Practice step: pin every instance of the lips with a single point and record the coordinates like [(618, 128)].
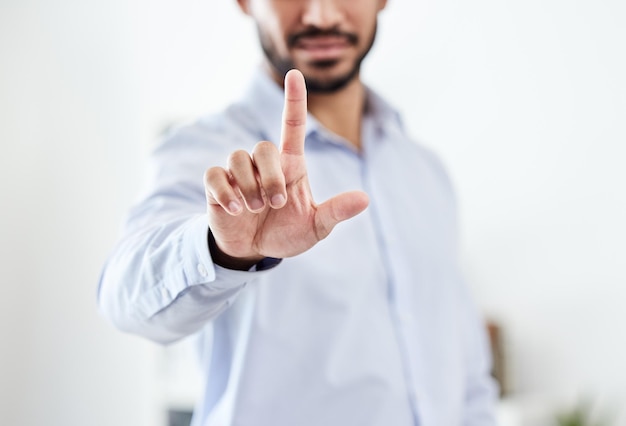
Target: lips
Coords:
[(323, 48), (322, 45)]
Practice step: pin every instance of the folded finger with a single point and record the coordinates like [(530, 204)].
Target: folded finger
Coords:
[(267, 162), (219, 190), (244, 174)]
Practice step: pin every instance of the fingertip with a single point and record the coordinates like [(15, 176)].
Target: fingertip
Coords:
[(294, 73), (234, 207), (278, 201), (363, 199), (255, 205), (350, 204), (295, 82)]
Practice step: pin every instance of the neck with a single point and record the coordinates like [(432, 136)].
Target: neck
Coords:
[(341, 112)]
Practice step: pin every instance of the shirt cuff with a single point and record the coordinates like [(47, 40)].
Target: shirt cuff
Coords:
[(266, 264), (200, 268)]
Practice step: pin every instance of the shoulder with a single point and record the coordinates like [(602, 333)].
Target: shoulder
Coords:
[(427, 165), (391, 120), (434, 163)]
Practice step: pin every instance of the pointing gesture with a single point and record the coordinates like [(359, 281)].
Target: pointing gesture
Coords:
[(294, 115), (261, 204)]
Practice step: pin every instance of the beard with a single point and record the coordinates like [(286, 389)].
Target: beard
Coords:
[(328, 85)]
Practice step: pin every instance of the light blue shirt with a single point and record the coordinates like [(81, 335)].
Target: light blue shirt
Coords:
[(373, 326)]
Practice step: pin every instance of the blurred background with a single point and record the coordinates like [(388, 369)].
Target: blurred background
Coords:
[(524, 101)]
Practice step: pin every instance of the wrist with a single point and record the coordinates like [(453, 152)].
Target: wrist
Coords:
[(229, 262)]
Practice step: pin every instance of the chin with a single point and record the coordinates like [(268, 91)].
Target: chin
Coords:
[(325, 80)]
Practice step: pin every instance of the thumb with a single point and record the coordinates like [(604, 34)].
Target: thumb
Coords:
[(337, 209)]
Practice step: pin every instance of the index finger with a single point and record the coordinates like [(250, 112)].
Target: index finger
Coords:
[(294, 114)]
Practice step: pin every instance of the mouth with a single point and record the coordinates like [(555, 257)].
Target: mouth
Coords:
[(322, 46)]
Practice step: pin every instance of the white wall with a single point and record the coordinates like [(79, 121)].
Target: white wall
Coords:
[(525, 102), (69, 143)]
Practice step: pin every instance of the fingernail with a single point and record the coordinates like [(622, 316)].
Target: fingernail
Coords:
[(234, 206), (256, 204), (278, 200)]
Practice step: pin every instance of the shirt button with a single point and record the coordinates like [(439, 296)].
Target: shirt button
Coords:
[(202, 270)]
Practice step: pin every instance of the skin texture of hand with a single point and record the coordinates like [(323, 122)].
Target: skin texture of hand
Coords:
[(261, 204)]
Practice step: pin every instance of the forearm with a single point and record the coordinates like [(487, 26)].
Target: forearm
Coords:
[(160, 282)]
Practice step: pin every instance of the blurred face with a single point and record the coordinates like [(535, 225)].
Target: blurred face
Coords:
[(325, 39)]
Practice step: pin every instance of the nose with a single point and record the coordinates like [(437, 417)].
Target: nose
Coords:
[(322, 13)]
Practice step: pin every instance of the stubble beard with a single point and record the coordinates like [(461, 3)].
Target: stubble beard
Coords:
[(281, 65)]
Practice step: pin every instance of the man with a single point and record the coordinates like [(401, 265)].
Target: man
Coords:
[(369, 325)]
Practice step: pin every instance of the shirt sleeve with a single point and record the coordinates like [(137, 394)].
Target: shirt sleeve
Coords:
[(160, 281)]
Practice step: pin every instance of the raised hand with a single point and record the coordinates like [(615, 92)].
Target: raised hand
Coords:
[(261, 204)]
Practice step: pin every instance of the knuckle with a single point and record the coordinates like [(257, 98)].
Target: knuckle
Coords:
[(264, 153), (213, 175), (238, 158), (295, 122), (265, 147)]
